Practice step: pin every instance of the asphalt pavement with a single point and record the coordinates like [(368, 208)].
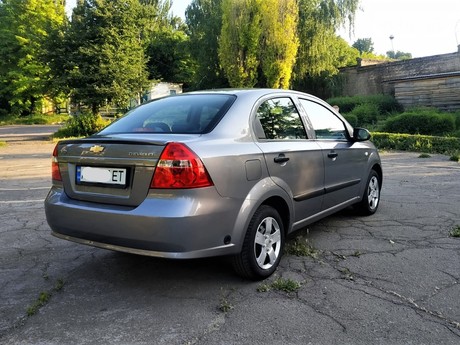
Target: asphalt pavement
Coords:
[(392, 278)]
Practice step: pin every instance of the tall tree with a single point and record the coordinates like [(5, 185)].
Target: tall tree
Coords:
[(318, 22), (279, 41), (240, 41), (166, 43), (399, 55), (25, 26), (106, 60), (364, 45), (204, 22), (169, 57)]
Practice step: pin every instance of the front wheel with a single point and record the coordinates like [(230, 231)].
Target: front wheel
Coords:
[(263, 245), (371, 197)]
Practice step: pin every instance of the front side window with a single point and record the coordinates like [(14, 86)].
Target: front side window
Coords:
[(278, 119), (325, 123)]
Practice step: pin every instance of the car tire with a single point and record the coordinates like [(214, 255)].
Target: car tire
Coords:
[(263, 245), (371, 197)]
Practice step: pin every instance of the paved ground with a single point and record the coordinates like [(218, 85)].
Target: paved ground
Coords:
[(392, 278)]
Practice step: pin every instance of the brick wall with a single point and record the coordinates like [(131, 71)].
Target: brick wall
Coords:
[(428, 81)]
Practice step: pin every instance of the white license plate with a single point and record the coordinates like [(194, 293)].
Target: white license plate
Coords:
[(116, 176)]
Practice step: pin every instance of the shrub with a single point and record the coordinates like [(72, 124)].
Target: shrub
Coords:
[(352, 119), (346, 104), (82, 126), (366, 113), (426, 122), (385, 103), (416, 143)]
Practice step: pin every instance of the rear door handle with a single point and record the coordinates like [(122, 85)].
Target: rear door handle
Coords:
[(332, 154), (281, 158)]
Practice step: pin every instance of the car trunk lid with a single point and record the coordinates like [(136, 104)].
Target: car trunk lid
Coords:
[(108, 170)]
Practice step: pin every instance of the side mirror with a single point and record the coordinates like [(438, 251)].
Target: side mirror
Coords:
[(361, 134)]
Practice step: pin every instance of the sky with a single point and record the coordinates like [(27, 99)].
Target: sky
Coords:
[(419, 27)]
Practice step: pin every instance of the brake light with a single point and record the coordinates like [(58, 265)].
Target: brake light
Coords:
[(55, 172), (180, 167)]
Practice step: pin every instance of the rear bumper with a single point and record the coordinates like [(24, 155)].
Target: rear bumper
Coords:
[(199, 223)]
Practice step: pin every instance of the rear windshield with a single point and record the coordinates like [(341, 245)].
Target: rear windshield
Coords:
[(187, 114)]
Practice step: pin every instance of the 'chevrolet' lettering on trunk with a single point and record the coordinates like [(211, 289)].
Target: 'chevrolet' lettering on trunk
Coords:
[(141, 154)]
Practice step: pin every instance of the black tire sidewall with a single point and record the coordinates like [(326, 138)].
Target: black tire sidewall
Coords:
[(365, 203), (262, 213)]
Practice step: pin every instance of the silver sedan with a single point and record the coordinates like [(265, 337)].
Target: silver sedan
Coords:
[(210, 173)]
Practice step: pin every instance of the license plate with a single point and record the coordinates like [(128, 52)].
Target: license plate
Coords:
[(114, 176)]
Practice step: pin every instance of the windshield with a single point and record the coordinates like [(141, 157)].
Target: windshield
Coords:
[(188, 114)]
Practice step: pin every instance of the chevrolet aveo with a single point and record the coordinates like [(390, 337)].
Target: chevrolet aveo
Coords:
[(210, 173)]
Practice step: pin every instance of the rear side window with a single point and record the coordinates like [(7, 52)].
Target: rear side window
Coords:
[(278, 119), (325, 123), (187, 114)]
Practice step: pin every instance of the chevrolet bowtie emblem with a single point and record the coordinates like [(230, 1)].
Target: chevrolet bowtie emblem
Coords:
[(96, 149)]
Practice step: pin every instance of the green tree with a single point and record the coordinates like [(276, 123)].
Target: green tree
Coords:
[(318, 22), (25, 27), (279, 41), (364, 45), (399, 55), (105, 53), (169, 57), (204, 22), (166, 43), (240, 41)]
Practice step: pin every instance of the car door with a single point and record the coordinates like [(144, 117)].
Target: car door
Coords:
[(294, 162), (344, 160)]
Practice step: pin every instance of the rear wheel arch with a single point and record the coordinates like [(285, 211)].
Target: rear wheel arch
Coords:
[(280, 205), (378, 169)]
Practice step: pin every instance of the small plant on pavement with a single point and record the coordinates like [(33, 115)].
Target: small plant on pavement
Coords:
[(301, 247), (455, 232), (424, 155), (286, 285), (40, 302), (280, 284)]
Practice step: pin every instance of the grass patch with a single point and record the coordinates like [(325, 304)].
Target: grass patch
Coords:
[(286, 285), (301, 247), (455, 157), (34, 120), (2, 143), (346, 274), (424, 155), (455, 232), (44, 298), (280, 284), (225, 306)]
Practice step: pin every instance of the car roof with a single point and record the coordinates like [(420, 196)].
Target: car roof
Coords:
[(252, 93)]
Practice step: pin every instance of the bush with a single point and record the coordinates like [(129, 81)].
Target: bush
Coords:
[(385, 104), (82, 126), (366, 113), (352, 119), (425, 122), (416, 143)]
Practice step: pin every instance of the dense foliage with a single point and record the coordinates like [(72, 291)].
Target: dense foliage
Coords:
[(416, 143), (25, 29), (82, 125), (110, 52), (386, 104), (421, 121)]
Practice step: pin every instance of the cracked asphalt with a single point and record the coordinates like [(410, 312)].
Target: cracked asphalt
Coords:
[(392, 278)]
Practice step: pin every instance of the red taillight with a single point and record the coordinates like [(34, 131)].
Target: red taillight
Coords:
[(180, 167), (55, 173)]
